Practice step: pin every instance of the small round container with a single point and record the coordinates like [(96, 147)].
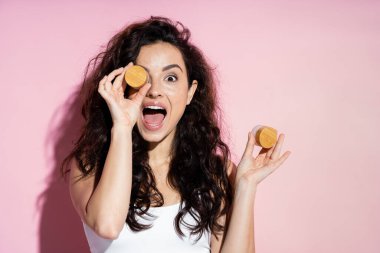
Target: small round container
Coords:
[(265, 136), (136, 76)]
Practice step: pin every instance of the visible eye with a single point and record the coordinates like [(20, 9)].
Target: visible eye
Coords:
[(171, 78)]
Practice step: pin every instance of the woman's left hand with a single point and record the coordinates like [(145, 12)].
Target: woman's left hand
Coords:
[(253, 170)]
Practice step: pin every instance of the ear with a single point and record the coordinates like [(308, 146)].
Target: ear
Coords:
[(191, 91)]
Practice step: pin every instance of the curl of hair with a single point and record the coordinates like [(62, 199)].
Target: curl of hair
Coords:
[(198, 169)]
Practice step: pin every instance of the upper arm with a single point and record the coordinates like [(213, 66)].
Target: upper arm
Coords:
[(216, 242), (80, 190)]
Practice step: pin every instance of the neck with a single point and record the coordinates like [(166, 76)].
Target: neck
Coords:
[(160, 156), (160, 153)]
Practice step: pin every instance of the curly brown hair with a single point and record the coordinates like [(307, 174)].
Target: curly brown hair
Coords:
[(198, 169)]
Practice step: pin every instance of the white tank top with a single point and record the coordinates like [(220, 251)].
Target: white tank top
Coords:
[(161, 237)]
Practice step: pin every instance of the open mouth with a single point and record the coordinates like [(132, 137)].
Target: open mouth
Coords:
[(153, 115)]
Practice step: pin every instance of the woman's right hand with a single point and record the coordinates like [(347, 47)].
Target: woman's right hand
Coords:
[(124, 111)]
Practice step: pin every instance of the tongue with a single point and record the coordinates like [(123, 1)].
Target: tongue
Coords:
[(154, 118)]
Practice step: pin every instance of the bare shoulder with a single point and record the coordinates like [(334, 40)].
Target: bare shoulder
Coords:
[(231, 167), (76, 175), (80, 188)]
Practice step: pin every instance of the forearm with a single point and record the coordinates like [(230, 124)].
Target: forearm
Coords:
[(240, 234), (108, 206)]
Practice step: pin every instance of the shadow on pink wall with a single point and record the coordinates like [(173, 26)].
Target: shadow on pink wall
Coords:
[(61, 229)]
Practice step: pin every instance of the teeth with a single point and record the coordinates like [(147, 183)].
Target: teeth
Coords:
[(155, 107)]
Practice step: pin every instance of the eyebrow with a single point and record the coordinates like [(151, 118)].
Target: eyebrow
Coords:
[(171, 66), (166, 67)]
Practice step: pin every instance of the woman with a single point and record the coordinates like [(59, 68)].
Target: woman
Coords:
[(150, 172)]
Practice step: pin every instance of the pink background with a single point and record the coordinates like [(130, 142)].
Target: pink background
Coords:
[(308, 68)]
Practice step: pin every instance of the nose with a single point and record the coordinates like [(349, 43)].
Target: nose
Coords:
[(155, 90)]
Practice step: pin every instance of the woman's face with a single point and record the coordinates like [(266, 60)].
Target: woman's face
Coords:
[(169, 94)]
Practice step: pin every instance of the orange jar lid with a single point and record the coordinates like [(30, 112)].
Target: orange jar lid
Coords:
[(265, 136), (136, 76)]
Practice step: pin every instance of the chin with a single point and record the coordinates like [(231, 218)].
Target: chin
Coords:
[(154, 136)]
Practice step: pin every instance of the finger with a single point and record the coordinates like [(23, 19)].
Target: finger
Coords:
[(101, 90), (108, 85), (264, 151), (132, 92), (255, 129), (250, 145), (269, 153), (101, 87), (141, 93), (101, 83), (119, 80), (262, 155), (277, 147), (282, 159), (269, 170), (114, 73), (110, 78)]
